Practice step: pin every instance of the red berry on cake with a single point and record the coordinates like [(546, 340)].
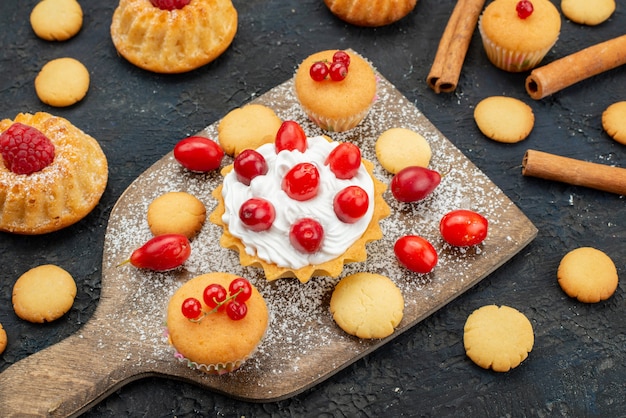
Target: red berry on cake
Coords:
[(214, 295), (319, 71), (302, 182), (257, 214), (351, 204), (241, 289), (248, 165), (345, 160), (25, 150), (524, 9), (343, 57), (236, 310), (338, 71), (290, 136), (170, 4), (192, 308), (306, 235)]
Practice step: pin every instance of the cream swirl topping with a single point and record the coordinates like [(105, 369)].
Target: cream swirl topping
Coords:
[(273, 246)]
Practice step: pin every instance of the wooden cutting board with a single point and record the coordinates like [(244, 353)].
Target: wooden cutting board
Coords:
[(124, 340)]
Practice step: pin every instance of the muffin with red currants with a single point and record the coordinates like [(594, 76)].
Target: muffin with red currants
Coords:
[(216, 321), (301, 206), (336, 89)]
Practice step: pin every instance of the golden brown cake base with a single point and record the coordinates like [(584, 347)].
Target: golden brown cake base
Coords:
[(62, 193), (355, 253), (174, 41)]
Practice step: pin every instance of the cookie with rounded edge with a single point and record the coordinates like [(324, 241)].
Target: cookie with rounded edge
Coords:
[(587, 12), (498, 337), (3, 339), (367, 305), (56, 20), (246, 127), (62, 82), (504, 119), (176, 213), (43, 293), (398, 148), (588, 275), (614, 121)]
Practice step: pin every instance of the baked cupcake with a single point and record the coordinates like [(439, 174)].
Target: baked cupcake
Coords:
[(335, 98), (517, 34), (371, 13), (52, 174), (216, 321), (173, 36), (297, 217)]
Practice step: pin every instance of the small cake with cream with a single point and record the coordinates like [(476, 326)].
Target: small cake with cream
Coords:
[(300, 206)]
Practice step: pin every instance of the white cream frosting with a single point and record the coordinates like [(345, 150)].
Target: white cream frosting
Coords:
[(273, 246)]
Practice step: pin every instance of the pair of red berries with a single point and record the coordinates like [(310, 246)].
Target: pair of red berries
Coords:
[(337, 69)]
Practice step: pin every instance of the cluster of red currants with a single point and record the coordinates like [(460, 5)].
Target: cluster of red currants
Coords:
[(217, 299), (337, 69)]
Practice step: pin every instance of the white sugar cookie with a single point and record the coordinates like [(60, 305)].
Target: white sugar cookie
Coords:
[(504, 119), (56, 20), (588, 275), (176, 213), (588, 12), (43, 293), (246, 127), (3, 339), (398, 148), (498, 338), (62, 82), (614, 121)]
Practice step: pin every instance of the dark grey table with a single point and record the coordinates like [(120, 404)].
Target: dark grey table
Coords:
[(577, 366)]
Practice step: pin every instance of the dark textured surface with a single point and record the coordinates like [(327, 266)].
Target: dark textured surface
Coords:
[(577, 365)]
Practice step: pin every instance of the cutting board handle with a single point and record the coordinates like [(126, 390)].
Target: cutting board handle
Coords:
[(65, 378)]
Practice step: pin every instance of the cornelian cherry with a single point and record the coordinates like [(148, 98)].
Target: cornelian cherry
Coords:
[(162, 253), (344, 160), (290, 136), (197, 153), (248, 165), (306, 235), (524, 9), (302, 182), (257, 214)]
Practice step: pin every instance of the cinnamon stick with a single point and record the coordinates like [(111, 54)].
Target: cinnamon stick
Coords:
[(557, 75), (446, 69), (576, 172)]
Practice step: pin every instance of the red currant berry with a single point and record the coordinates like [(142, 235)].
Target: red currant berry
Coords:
[(338, 71), (342, 56), (350, 204), (213, 295), (236, 310), (302, 182), (306, 235), (242, 288), (191, 308), (249, 164), (290, 136), (345, 160), (257, 214), (524, 9), (169, 4), (318, 71)]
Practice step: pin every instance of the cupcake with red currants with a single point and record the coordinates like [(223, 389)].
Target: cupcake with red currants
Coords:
[(336, 89), (300, 207), (216, 321), (517, 34)]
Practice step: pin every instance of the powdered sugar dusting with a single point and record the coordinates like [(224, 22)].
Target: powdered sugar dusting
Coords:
[(303, 345)]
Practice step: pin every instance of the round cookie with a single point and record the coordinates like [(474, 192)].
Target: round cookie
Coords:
[(56, 20), (587, 12), (367, 305), (504, 119), (497, 338), (614, 121), (62, 82), (246, 127), (3, 339), (43, 293), (398, 148), (176, 213), (588, 275)]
